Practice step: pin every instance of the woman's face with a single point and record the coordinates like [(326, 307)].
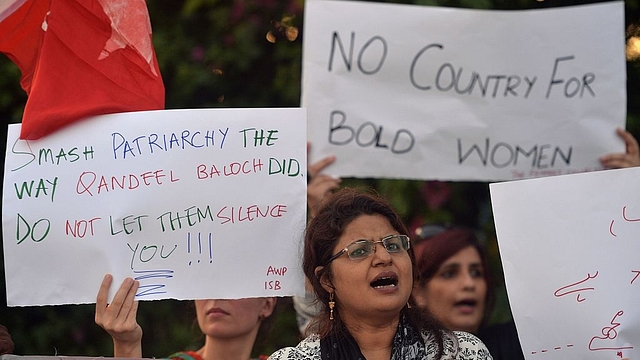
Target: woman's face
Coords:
[(456, 294), (232, 318), (375, 287)]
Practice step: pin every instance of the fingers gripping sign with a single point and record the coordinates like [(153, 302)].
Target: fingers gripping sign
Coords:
[(631, 156), (118, 318), (319, 185)]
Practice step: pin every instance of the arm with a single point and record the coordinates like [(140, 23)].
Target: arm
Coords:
[(318, 186), (119, 317), (629, 158)]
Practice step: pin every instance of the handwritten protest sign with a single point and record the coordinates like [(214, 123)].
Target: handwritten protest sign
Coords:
[(206, 203), (569, 247), (454, 94)]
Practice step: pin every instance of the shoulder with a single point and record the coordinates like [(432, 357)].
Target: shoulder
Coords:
[(470, 347), (458, 345), (308, 348)]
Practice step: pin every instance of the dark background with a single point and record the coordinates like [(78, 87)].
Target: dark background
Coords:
[(215, 53)]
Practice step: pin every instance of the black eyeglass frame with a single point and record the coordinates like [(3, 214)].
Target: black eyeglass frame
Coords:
[(404, 240)]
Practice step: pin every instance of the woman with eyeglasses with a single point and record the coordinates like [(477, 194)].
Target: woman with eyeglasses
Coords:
[(230, 326), (359, 261), (455, 286)]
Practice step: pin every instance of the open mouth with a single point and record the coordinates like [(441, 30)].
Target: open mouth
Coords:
[(467, 302), (384, 281)]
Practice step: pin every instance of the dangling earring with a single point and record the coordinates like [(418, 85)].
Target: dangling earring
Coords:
[(408, 305), (332, 304)]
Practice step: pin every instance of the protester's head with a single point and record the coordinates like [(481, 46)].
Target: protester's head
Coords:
[(454, 283), (357, 254), (227, 319)]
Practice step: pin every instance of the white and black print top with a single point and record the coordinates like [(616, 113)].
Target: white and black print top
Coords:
[(457, 346)]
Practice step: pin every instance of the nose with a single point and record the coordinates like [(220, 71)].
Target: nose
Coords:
[(380, 255), (468, 281)]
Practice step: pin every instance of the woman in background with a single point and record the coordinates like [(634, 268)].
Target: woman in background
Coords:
[(230, 326), (456, 287)]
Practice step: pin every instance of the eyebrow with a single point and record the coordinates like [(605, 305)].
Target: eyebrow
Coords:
[(450, 266)]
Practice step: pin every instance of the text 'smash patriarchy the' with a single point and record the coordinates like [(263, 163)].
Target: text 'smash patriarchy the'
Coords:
[(416, 95), (171, 198)]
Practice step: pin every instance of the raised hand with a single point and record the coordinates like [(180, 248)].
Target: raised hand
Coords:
[(629, 158), (319, 185), (119, 317)]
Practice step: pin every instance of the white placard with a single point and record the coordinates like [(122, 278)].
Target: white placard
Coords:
[(195, 204), (569, 247), (421, 92)]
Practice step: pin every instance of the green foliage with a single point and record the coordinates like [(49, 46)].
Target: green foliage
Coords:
[(215, 53), (12, 97)]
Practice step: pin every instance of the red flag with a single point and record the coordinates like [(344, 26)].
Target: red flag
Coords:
[(80, 58)]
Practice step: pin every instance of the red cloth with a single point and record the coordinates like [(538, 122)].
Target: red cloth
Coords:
[(81, 58)]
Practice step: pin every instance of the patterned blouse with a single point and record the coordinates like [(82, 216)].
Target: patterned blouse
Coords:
[(469, 347)]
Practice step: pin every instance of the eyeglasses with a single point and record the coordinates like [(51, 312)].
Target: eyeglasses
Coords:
[(361, 249)]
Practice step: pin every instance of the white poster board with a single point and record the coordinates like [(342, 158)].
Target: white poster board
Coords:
[(194, 204), (421, 92), (569, 247)]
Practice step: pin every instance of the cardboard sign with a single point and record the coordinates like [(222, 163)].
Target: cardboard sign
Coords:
[(194, 204), (421, 92), (569, 247)]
